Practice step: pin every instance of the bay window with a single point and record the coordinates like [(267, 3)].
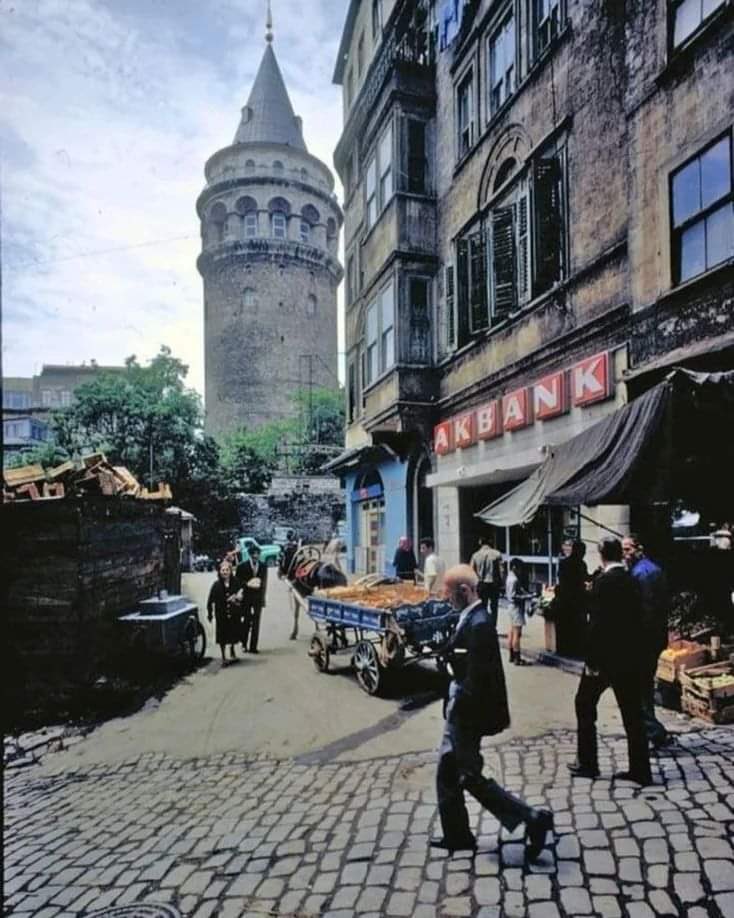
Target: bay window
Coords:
[(379, 335)]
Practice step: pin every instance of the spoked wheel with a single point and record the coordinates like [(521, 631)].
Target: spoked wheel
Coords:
[(193, 642), (367, 667), (318, 650)]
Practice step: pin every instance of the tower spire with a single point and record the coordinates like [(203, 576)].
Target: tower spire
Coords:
[(269, 25)]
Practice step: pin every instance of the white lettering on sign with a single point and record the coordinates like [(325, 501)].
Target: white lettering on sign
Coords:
[(591, 381)]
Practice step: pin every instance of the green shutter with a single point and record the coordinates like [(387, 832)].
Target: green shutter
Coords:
[(549, 254), (504, 262)]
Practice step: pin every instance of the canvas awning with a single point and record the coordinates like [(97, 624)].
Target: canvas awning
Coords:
[(642, 453), (352, 459)]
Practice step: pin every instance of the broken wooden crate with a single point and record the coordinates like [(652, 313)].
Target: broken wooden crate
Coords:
[(708, 692), (678, 656)]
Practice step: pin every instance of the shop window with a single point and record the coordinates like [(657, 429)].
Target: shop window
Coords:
[(416, 139), (548, 19), (502, 52), (465, 115), (703, 211), (689, 16)]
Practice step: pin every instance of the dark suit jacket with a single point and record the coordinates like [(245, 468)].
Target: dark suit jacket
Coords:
[(474, 654), (615, 620), (246, 573)]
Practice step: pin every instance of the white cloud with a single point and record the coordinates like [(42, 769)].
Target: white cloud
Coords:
[(109, 112)]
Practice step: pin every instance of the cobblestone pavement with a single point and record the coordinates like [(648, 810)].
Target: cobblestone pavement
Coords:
[(232, 836)]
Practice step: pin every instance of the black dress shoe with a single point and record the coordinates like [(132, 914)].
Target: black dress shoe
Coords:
[(642, 780), (536, 830), (468, 844), (580, 771)]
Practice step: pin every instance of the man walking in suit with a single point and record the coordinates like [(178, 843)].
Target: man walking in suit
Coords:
[(487, 565), (653, 629), (476, 707), (253, 578), (613, 660)]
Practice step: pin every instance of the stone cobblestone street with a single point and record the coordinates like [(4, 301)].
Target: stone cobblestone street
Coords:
[(230, 835)]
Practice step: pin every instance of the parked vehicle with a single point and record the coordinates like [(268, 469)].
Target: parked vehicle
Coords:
[(269, 554), (203, 563)]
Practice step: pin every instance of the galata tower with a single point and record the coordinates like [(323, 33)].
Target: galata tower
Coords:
[(270, 227)]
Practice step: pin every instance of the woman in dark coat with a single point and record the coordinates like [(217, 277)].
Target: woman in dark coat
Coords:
[(224, 603), (569, 606), (404, 561)]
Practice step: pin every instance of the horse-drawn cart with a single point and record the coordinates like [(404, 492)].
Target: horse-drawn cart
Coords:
[(381, 639)]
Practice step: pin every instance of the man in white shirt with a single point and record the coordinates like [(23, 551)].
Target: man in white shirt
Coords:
[(433, 568)]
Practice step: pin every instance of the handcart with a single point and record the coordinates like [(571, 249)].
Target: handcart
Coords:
[(381, 640), (167, 624)]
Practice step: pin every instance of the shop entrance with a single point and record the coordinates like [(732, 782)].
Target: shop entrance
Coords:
[(422, 502), (371, 537)]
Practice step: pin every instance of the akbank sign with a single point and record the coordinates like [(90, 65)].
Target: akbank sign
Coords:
[(585, 383)]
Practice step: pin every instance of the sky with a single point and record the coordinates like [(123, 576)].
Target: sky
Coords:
[(108, 111)]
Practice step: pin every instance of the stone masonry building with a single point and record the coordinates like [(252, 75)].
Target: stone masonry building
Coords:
[(538, 225), (270, 227)]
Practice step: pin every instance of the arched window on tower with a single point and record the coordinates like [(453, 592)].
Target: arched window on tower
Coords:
[(250, 166), (279, 212), (310, 218), (246, 207), (249, 298), (278, 167), (217, 223), (304, 175), (311, 305), (331, 228)]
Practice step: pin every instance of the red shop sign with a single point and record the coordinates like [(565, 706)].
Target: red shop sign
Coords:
[(517, 410), (550, 396), (465, 430), (591, 379)]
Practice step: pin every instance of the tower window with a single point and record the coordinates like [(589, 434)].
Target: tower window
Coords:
[(250, 225), (248, 297), (311, 305), (250, 165), (279, 226), (278, 167), (305, 231)]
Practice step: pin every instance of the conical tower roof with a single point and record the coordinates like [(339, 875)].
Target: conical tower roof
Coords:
[(268, 116)]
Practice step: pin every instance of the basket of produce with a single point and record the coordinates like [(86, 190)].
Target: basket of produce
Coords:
[(679, 655), (708, 692)]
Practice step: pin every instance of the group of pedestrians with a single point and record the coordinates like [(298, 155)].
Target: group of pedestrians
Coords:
[(627, 604), (235, 603)]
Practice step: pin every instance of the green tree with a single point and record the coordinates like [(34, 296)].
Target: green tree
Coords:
[(47, 454)]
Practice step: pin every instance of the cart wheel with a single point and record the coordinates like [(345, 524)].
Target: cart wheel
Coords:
[(367, 667), (318, 650), (193, 642)]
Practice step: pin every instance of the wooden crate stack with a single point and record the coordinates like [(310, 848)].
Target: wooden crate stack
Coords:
[(88, 476), (708, 692)]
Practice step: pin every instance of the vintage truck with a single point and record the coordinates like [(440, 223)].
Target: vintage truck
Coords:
[(269, 554)]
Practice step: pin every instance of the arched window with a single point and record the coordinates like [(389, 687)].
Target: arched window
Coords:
[(250, 165), (246, 207), (331, 228), (505, 170), (305, 231), (279, 204), (249, 299), (311, 305), (217, 222), (279, 225), (304, 175), (311, 215), (278, 167)]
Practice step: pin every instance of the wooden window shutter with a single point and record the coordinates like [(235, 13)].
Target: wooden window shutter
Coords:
[(504, 261), (478, 316), (523, 250), (462, 290), (549, 256), (450, 308)]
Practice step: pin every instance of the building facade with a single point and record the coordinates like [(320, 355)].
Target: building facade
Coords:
[(270, 227), (28, 401), (557, 226)]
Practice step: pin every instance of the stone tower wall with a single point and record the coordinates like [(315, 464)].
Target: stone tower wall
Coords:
[(270, 305)]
